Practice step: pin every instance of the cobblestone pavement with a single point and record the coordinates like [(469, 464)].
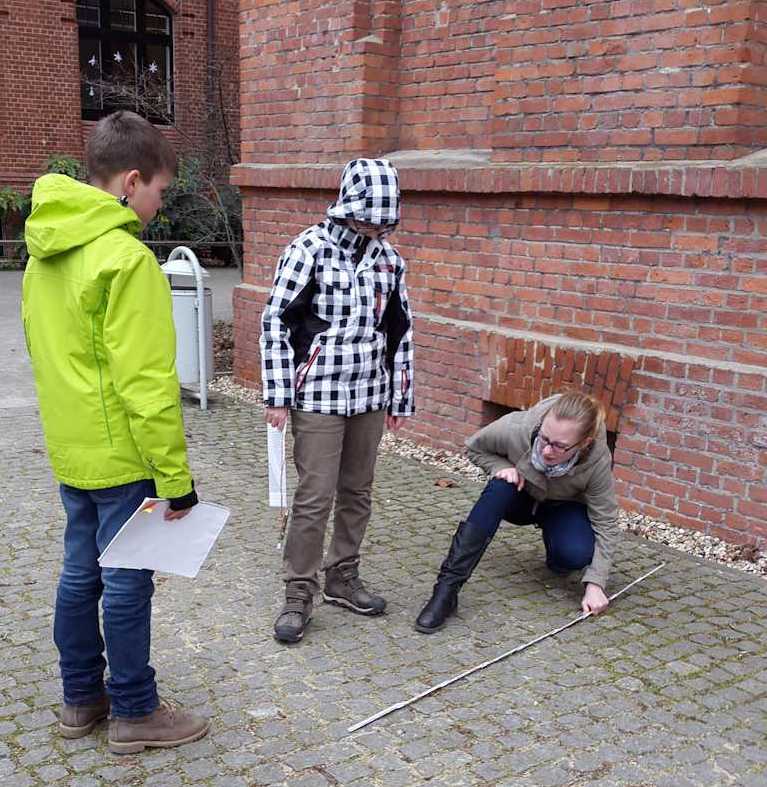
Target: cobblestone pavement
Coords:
[(668, 688)]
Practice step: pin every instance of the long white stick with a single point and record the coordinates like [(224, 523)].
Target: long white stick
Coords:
[(484, 664)]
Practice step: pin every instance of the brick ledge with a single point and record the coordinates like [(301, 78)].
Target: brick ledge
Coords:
[(724, 179)]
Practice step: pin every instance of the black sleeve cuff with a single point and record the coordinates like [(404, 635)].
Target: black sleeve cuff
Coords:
[(181, 503)]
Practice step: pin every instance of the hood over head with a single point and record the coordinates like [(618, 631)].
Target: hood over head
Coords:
[(67, 214), (369, 193)]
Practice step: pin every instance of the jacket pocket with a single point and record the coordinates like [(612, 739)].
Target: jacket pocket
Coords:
[(335, 277), (304, 368), (26, 335), (336, 298)]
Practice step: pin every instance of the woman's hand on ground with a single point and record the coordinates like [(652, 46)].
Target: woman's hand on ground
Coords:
[(276, 417), (594, 599), (511, 476)]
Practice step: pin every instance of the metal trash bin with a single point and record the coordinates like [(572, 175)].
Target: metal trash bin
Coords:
[(193, 318)]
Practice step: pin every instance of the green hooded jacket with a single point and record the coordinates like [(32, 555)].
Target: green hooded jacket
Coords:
[(99, 328)]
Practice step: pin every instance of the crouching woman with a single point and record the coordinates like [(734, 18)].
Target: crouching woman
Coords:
[(550, 466)]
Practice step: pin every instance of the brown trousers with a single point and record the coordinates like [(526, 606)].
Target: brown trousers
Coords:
[(335, 457)]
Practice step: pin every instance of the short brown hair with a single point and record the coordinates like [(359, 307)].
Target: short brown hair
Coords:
[(585, 410), (124, 141)]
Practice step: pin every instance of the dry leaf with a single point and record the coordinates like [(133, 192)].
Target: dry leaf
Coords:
[(444, 483), (748, 552)]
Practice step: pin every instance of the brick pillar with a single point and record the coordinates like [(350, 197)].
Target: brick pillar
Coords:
[(319, 85)]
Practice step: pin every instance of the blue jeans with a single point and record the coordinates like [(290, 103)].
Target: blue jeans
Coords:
[(567, 532), (93, 517)]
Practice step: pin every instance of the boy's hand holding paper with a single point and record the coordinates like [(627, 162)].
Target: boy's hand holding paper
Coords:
[(148, 540)]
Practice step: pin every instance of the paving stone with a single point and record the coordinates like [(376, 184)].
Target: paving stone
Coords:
[(6, 766), (35, 756), (266, 774), (163, 780), (227, 780), (550, 776), (663, 689), (51, 773), (18, 780)]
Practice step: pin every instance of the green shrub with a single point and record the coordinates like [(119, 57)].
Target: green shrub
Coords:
[(196, 210), (65, 165)]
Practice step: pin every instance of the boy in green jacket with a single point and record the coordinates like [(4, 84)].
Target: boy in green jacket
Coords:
[(99, 327)]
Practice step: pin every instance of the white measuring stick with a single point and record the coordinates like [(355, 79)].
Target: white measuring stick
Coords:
[(278, 487), (484, 664)]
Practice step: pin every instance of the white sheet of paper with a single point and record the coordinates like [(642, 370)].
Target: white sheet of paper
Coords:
[(180, 546), (278, 483)]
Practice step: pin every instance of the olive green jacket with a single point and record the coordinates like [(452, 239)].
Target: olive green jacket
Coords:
[(507, 442), (99, 327)]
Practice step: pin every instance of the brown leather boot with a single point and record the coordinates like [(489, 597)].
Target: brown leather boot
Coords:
[(165, 727), (76, 721)]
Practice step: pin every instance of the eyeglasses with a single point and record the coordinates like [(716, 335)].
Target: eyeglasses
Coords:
[(560, 447)]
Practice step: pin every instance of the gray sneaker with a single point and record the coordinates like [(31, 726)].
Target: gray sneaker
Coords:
[(344, 588), (167, 726), (295, 614)]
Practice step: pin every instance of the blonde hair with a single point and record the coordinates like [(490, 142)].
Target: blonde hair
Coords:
[(585, 410)]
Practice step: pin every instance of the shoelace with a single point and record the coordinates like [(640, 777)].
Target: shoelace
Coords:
[(353, 581), (169, 708)]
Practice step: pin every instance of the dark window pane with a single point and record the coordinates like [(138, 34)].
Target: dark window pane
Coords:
[(88, 12), (122, 14), (120, 88), (126, 57), (156, 79), (90, 73), (156, 18)]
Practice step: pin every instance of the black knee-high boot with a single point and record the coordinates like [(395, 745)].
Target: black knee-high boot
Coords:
[(466, 550)]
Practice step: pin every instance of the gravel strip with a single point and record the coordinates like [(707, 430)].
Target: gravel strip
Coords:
[(743, 557)]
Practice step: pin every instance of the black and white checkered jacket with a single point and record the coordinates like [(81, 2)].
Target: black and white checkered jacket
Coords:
[(337, 331)]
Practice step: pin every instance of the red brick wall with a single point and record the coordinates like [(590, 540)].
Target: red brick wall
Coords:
[(630, 80), (657, 304), (40, 82), (536, 81), (447, 76), (529, 270)]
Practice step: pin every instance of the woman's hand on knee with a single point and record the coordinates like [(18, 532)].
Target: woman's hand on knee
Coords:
[(594, 599), (511, 475)]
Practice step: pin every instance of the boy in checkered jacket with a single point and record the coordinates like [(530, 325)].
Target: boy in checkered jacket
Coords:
[(337, 352)]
